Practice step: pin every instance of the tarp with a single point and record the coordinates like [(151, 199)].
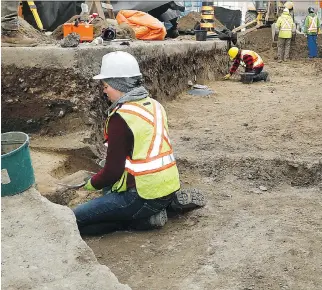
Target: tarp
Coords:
[(145, 26), (230, 18), (52, 13), (55, 13)]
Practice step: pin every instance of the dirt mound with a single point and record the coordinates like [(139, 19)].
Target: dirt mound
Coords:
[(261, 42), (188, 22), (299, 47), (28, 30), (122, 31)]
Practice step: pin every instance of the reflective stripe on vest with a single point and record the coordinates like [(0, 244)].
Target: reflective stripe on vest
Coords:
[(314, 24), (155, 161), (286, 26), (257, 59), (145, 167)]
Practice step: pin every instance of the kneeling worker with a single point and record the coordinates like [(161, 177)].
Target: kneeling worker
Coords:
[(248, 59), (140, 179)]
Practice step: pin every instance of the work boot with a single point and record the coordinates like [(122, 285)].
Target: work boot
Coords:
[(265, 76), (159, 219), (262, 76), (14, 38), (153, 222), (188, 199), (279, 61)]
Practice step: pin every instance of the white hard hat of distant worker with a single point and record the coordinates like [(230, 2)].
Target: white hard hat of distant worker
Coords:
[(118, 64)]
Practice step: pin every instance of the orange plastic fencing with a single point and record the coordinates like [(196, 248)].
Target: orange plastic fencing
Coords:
[(145, 26)]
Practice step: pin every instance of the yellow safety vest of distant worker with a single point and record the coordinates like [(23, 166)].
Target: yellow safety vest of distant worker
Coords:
[(285, 25)]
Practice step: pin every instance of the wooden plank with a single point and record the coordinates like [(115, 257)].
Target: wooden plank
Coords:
[(99, 9), (110, 12), (244, 26)]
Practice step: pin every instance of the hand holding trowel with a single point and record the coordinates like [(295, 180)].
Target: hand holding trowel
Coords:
[(76, 180)]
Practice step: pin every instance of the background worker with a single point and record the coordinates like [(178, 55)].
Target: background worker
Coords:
[(140, 179), (285, 25), (248, 59), (311, 29), (10, 34)]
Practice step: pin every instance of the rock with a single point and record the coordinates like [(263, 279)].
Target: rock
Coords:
[(71, 40), (61, 114), (125, 43), (295, 165), (47, 230), (97, 41), (245, 124), (263, 188), (184, 138), (257, 191)]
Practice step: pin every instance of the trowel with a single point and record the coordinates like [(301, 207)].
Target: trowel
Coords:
[(76, 180)]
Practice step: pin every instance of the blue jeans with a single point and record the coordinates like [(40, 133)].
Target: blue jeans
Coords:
[(117, 211), (312, 45)]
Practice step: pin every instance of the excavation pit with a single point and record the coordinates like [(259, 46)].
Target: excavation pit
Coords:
[(255, 153)]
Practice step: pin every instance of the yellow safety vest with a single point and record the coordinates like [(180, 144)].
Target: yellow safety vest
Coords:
[(152, 162), (313, 24), (286, 25), (257, 59)]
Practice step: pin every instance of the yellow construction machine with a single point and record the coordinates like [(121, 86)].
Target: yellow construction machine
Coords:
[(263, 13)]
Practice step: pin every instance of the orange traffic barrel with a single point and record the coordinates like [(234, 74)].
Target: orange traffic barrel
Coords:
[(207, 16)]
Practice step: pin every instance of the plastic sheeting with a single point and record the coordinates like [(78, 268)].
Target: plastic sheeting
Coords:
[(229, 18), (55, 13), (145, 26), (52, 13)]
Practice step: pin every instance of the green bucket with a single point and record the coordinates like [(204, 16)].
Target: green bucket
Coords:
[(17, 174)]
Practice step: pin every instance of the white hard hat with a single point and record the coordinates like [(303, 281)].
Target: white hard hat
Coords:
[(289, 5), (118, 64), (286, 10)]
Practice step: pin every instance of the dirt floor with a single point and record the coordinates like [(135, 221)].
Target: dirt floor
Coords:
[(255, 150)]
